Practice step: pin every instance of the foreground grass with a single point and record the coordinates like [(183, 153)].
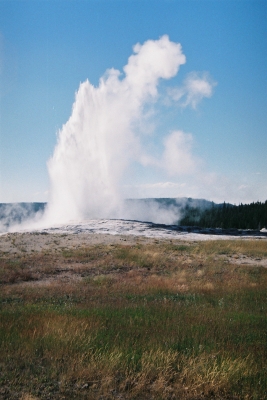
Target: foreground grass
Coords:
[(164, 320)]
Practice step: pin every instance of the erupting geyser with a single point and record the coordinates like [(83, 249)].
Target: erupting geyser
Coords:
[(101, 137)]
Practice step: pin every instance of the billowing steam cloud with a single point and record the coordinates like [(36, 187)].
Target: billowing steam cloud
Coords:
[(100, 139), (106, 134), (102, 136)]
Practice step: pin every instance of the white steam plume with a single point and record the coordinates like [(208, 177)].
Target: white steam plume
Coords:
[(177, 158), (99, 140)]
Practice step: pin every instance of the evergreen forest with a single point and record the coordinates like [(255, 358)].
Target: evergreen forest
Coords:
[(227, 216)]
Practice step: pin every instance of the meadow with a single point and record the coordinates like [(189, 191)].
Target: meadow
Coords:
[(135, 319)]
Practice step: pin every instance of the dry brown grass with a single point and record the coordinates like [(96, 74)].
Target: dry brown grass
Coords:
[(159, 320)]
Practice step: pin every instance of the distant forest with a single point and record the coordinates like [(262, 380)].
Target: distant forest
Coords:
[(227, 216)]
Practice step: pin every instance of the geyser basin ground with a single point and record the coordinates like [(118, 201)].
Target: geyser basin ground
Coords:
[(148, 229)]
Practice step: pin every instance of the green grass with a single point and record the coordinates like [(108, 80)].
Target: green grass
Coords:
[(136, 333)]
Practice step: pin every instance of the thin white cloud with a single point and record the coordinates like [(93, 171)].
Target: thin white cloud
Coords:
[(162, 185), (202, 185), (195, 87)]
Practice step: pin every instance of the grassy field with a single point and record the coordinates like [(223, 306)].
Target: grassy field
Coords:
[(160, 320)]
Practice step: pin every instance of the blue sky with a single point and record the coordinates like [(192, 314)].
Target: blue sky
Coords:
[(47, 48)]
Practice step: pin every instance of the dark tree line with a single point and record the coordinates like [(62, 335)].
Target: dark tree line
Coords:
[(226, 216)]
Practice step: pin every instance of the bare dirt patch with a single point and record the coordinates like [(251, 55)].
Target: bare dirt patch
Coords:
[(43, 259)]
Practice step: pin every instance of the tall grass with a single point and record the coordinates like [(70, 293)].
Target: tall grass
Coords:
[(161, 321)]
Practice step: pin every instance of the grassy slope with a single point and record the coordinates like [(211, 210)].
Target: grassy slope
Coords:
[(167, 320)]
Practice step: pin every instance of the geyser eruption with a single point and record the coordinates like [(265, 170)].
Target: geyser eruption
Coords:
[(101, 137)]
